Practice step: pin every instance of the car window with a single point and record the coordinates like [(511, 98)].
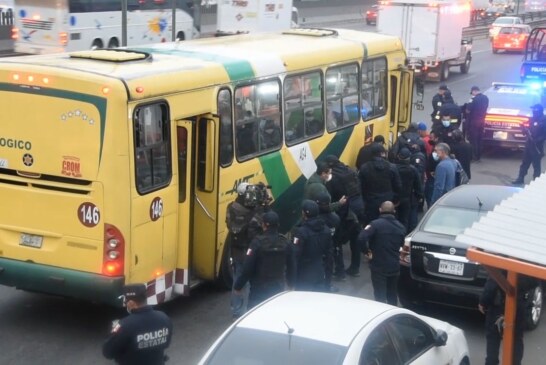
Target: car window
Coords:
[(507, 30), (379, 349), (451, 221), (412, 337), (246, 346)]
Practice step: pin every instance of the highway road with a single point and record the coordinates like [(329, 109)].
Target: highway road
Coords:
[(38, 329)]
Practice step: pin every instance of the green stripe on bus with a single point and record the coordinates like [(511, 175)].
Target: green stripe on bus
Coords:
[(237, 69), (275, 173), (99, 102), (337, 144)]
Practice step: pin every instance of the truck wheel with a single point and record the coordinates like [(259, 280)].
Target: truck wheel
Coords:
[(533, 311), (444, 71), (466, 65)]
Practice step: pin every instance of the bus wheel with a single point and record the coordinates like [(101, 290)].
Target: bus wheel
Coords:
[(97, 44), (225, 276), (180, 36), (113, 43)]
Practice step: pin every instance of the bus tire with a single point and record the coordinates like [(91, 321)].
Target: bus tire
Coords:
[(180, 36), (97, 44), (113, 43), (225, 274)]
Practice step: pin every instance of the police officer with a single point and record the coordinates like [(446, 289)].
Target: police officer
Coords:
[(269, 263), (381, 240), (437, 101), (491, 303), (475, 112), (411, 192), (244, 223), (312, 244), (379, 181), (534, 145), (444, 131), (335, 268), (365, 153), (142, 337)]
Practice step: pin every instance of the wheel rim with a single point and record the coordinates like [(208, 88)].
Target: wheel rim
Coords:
[(536, 304)]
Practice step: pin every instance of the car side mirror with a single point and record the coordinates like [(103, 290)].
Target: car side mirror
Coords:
[(440, 339)]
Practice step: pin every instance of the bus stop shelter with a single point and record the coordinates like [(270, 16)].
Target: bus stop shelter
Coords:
[(511, 237)]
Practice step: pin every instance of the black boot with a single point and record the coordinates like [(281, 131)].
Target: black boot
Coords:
[(518, 181)]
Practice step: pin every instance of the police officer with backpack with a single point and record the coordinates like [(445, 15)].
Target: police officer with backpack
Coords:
[(336, 267), (243, 219), (269, 263)]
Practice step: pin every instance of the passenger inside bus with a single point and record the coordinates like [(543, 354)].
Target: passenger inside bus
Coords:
[(245, 135), (270, 134)]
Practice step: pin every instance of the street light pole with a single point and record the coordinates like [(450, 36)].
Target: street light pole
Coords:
[(124, 23), (174, 21)]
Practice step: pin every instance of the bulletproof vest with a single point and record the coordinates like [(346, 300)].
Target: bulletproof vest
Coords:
[(238, 224), (379, 180), (271, 257), (407, 177)]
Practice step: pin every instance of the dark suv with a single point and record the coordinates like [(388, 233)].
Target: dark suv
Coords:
[(434, 267)]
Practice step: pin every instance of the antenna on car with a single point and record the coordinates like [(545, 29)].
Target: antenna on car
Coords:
[(480, 204), (290, 329)]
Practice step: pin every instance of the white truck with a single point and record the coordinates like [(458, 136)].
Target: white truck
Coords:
[(431, 32), (243, 16)]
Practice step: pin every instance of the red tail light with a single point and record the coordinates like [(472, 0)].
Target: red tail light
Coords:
[(113, 262), (63, 38), (14, 33), (368, 12)]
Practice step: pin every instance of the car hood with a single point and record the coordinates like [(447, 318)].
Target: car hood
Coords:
[(436, 239), (441, 325)]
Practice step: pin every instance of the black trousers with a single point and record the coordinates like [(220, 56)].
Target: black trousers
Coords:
[(475, 136), (385, 287), (494, 338), (530, 158)]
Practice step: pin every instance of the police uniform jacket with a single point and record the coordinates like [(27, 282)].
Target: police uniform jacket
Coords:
[(383, 237), (477, 110), (536, 137), (243, 223), (140, 338), (312, 243), (269, 264), (379, 179), (412, 189)]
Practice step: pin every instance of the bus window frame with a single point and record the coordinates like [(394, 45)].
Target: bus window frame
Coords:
[(166, 140), (384, 75), (323, 102), (258, 153), (358, 95), (231, 129)]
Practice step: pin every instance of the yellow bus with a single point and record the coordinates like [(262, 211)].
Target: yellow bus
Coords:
[(116, 166)]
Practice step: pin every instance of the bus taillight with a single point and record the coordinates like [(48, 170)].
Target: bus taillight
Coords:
[(14, 33), (63, 38), (114, 251)]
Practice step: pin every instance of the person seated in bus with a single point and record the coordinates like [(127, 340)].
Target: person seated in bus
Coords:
[(246, 136), (333, 116), (313, 125), (270, 134)]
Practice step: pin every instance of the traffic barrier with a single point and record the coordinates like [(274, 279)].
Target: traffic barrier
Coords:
[(483, 31)]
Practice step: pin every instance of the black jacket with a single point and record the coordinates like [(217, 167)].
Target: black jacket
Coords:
[(140, 338), (463, 153), (364, 155), (383, 237), (476, 111), (412, 189), (379, 178), (536, 134)]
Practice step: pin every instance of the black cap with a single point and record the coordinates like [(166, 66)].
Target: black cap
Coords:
[(377, 149), (134, 292), (310, 208), (474, 88), (331, 160), (537, 107), (443, 87), (379, 139), (323, 198), (271, 219), (404, 153)]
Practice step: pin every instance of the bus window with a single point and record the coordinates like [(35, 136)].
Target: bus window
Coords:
[(303, 107), (257, 119), (83, 6), (342, 96), (374, 88), (152, 147), (226, 127)]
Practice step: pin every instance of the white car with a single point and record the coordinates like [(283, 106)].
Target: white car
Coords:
[(503, 21), (306, 328)]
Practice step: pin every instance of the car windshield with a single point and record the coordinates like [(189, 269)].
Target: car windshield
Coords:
[(245, 346), (450, 220), (516, 99)]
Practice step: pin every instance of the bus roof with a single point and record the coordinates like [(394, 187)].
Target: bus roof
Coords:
[(180, 66)]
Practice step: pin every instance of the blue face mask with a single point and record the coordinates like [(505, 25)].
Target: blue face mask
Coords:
[(446, 123), (435, 156)]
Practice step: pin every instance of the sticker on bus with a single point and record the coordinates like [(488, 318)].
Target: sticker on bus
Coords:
[(89, 214), (4, 163), (156, 209)]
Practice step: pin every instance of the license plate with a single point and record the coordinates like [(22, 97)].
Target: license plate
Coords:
[(451, 268), (31, 240), (508, 45), (500, 135)]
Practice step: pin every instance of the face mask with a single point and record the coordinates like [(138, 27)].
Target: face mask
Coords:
[(329, 177), (435, 156), (446, 123)]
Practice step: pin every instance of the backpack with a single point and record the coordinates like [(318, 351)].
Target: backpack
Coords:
[(272, 256), (461, 178)]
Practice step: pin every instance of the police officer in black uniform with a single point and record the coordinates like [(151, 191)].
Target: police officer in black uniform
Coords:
[(381, 240), (411, 192), (142, 337), (437, 101), (475, 112), (269, 263), (335, 268), (312, 244), (534, 145), (491, 303)]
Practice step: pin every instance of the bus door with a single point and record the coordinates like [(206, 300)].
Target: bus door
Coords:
[(204, 202), (401, 101), (154, 212)]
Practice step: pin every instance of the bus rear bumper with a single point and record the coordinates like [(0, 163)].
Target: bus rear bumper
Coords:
[(63, 282)]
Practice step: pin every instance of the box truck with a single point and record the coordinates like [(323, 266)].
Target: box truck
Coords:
[(243, 16), (431, 32)]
